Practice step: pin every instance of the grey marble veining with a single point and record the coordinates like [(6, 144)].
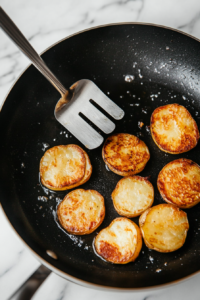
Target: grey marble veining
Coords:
[(66, 290), (45, 22), (16, 262)]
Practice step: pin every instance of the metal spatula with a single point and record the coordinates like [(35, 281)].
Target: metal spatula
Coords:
[(73, 101)]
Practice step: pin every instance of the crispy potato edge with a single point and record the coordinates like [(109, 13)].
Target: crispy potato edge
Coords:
[(115, 191), (142, 221), (137, 248), (161, 147), (82, 181), (161, 187), (121, 173), (86, 232)]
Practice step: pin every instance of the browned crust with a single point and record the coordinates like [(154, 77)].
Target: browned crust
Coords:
[(128, 163), (114, 193), (187, 141), (86, 226), (142, 220), (112, 254), (181, 186), (88, 173)]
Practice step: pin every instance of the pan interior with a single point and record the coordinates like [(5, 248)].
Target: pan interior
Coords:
[(139, 67)]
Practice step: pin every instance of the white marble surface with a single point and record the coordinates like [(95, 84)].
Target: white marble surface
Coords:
[(66, 290), (44, 22), (16, 262)]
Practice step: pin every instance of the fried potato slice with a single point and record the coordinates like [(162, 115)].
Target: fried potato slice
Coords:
[(88, 173), (64, 167), (125, 154), (164, 227), (173, 129), (132, 196), (120, 242), (179, 183), (81, 211)]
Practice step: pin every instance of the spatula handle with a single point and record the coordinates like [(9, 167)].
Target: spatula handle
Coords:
[(16, 36)]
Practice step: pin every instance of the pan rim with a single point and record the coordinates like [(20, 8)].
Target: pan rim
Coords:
[(96, 27), (95, 286), (57, 271)]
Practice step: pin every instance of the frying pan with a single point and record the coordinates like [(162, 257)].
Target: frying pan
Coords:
[(165, 68)]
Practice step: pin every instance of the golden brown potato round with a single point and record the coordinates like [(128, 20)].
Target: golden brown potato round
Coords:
[(125, 154), (164, 227), (173, 129), (132, 196), (120, 242), (64, 167), (88, 173), (179, 183), (81, 211)]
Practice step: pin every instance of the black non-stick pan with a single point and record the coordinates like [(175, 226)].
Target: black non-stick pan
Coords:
[(165, 68)]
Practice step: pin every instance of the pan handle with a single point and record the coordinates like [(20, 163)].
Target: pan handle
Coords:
[(19, 39)]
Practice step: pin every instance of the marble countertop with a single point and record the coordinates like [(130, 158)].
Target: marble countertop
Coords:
[(44, 23)]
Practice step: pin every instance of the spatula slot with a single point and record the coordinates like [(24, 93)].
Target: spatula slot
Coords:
[(98, 118), (101, 109), (89, 122)]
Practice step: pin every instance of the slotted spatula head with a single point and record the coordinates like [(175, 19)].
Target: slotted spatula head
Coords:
[(74, 101), (78, 100)]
